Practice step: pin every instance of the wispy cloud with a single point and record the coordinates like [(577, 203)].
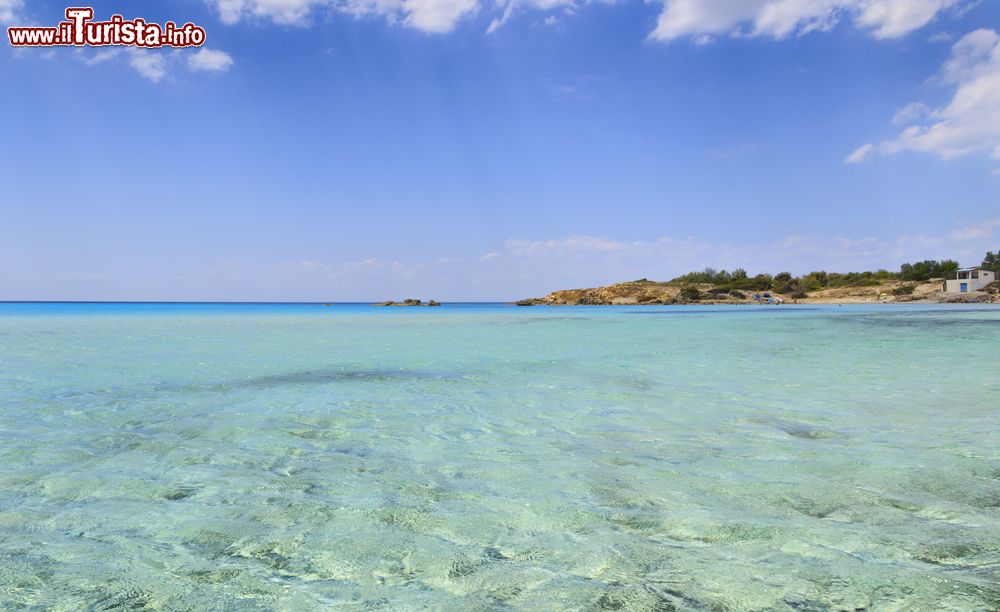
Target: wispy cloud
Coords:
[(701, 20), (155, 65), (9, 10), (433, 16), (522, 267), (970, 122), (860, 154), (594, 259), (911, 112), (783, 18)]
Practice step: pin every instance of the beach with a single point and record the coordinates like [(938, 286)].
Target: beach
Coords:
[(484, 456)]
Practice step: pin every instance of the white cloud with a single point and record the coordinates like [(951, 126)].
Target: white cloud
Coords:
[(209, 59), (970, 122), (512, 6), (287, 12), (434, 16), (700, 19), (156, 65), (150, 64), (895, 18), (860, 154), (9, 10), (782, 18)]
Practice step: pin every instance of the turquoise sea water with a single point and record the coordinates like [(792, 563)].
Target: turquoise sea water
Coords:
[(487, 457)]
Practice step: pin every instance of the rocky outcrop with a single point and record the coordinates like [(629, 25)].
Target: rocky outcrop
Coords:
[(648, 292), (633, 292), (409, 302)]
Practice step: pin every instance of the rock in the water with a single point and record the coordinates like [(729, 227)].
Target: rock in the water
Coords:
[(408, 302)]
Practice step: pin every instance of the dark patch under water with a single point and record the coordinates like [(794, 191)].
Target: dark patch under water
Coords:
[(916, 322), (307, 377), (322, 377), (749, 309), (807, 433)]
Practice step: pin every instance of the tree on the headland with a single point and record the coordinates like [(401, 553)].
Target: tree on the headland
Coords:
[(706, 276), (784, 283), (992, 261), (927, 269)]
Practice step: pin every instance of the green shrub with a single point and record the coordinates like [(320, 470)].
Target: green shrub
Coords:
[(691, 294)]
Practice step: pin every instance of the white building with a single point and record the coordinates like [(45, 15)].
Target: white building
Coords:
[(969, 279)]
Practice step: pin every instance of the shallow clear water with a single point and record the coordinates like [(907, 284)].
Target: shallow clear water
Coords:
[(491, 457)]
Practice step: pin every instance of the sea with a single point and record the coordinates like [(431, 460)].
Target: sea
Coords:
[(490, 457)]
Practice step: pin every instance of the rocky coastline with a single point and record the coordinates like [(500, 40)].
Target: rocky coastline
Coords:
[(650, 292)]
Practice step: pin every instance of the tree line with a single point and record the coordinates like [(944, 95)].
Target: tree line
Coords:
[(797, 286)]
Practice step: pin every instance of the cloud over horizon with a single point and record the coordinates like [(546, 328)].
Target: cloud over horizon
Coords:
[(521, 268)]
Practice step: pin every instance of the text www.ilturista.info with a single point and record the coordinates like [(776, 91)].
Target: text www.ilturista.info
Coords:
[(79, 30)]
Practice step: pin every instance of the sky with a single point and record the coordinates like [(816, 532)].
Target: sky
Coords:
[(356, 150)]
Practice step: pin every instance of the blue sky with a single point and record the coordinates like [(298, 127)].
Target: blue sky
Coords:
[(350, 150)]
